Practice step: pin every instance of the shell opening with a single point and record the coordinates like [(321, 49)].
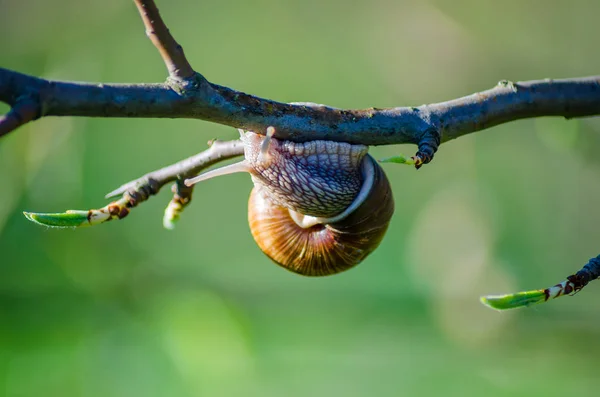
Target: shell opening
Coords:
[(241, 166), (305, 221)]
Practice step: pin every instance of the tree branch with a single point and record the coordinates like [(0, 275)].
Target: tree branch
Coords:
[(197, 98), (181, 170), (171, 52), (139, 190), (187, 94)]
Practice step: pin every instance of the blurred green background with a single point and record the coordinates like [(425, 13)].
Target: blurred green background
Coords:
[(130, 309)]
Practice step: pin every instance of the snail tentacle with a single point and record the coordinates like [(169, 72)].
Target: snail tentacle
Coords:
[(241, 166)]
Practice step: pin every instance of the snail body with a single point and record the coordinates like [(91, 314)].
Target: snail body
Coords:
[(317, 208)]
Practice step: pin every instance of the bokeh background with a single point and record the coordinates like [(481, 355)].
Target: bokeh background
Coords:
[(130, 309)]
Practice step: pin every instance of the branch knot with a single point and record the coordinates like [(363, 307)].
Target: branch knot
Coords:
[(187, 86)]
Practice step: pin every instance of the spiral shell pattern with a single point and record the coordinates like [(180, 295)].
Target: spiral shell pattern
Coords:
[(324, 248)]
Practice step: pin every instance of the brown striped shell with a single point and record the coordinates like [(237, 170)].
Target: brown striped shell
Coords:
[(323, 248), (317, 207)]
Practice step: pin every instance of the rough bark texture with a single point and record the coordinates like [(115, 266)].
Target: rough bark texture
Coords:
[(197, 98)]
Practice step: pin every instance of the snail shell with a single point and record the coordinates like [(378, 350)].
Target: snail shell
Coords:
[(317, 208)]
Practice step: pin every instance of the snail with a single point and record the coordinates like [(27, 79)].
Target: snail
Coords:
[(318, 207)]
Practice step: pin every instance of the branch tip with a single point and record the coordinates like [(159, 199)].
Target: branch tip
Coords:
[(569, 287), (182, 196), (428, 144), (69, 219)]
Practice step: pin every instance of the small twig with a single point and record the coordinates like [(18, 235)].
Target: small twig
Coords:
[(22, 112), (137, 191), (218, 151), (171, 52)]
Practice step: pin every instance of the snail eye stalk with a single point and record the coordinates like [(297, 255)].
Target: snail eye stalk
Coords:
[(264, 156)]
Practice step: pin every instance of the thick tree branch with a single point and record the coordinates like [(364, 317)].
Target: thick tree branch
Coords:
[(200, 99), (187, 94)]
